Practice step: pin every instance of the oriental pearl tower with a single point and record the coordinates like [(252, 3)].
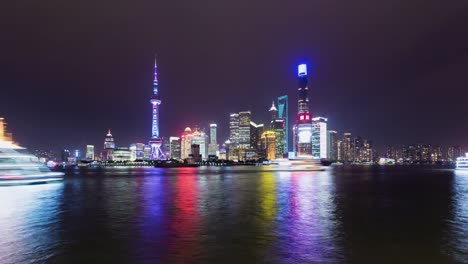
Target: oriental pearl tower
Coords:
[(155, 141)]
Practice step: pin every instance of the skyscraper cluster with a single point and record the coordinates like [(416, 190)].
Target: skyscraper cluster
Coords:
[(423, 153), (249, 140)]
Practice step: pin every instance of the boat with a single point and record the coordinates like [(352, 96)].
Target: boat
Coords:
[(462, 162), (19, 167), (296, 164)]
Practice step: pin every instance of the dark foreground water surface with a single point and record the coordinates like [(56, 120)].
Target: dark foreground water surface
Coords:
[(239, 215)]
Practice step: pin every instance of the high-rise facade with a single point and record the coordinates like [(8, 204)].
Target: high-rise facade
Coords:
[(244, 129), (186, 143), (174, 147), (346, 148), (256, 131), (273, 113), (319, 138), (283, 114), (65, 155), (213, 146), (234, 129), (89, 152), (155, 141), (268, 144), (201, 139), (302, 138), (109, 146), (278, 129), (332, 145)]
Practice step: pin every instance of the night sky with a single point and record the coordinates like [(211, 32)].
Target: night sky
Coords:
[(392, 71)]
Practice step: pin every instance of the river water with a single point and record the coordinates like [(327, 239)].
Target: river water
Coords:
[(239, 215)]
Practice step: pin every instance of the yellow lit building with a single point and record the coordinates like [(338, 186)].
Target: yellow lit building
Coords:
[(268, 144)]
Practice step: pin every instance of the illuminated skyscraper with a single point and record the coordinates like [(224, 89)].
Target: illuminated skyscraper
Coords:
[(346, 148), (213, 146), (273, 113), (109, 146), (200, 138), (244, 129), (174, 147), (256, 131), (89, 152), (303, 129), (319, 138), (268, 144), (65, 155), (283, 114), (234, 129), (332, 145), (155, 141), (186, 143)]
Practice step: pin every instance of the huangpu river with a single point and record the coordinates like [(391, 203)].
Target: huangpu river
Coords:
[(346, 214)]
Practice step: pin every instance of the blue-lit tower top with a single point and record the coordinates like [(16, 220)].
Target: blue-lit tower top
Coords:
[(155, 141), (303, 99)]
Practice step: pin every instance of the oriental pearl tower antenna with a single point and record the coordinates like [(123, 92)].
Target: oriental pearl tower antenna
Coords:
[(155, 141)]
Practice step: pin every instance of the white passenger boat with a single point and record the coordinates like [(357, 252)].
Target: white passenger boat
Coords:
[(462, 163), (296, 164), (18, 166)]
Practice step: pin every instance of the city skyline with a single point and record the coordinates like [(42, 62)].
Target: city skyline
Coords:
[(366, 84)]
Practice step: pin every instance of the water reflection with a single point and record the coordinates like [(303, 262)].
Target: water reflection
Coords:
[(459, 223), (230, 215), (183, 225), (28, 223), (307, 222)]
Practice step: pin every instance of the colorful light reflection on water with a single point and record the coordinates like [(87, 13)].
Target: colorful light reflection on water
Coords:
[(219, 215)]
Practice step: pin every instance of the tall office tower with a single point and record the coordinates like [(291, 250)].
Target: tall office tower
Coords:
[(146, 152), (346, 148), (303, 90), (332, 145), (155, 141), (195, 150), (133, 152), (255, 134), (213, 146), (268, 144), (109, 141), (137, 151), (186, 143), (303, 129), (284, 114), (244, 129), (174, 147), (436, 154), (89, 152), (109, 146), (234, 129), (453, 152), (273, 113), (367, 151), (201, 139), (424, 153), (339, 152), (319, 138), (65, 155), (357, 147), (277, 126)]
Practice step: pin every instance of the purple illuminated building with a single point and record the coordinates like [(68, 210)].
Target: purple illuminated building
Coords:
[(155, 141), (302, 131)]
